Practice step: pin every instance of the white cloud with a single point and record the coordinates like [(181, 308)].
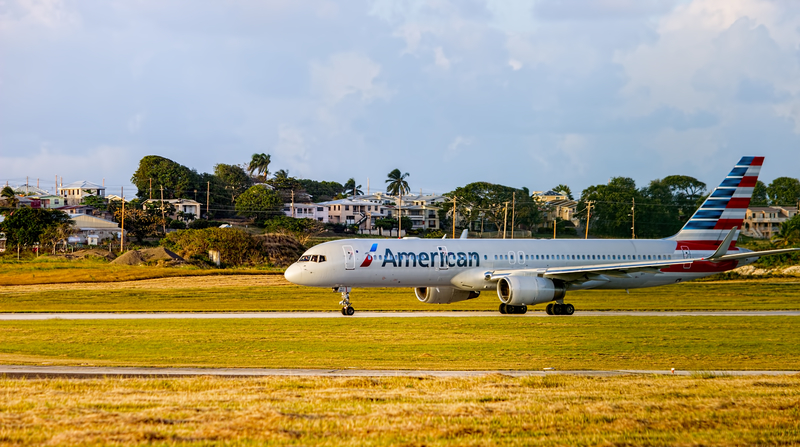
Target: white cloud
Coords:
[(345, 74), (457, 146), (441, 59), (515, 64), (135, 123), (292, 148)]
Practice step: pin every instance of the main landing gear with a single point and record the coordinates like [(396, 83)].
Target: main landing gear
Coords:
[(509, 309), (347, 309), (559, 309)]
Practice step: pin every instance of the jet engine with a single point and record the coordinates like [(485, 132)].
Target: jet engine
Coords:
[(443, 295), (529, 290)]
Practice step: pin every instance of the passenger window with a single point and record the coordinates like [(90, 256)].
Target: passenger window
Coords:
[(485, 257)]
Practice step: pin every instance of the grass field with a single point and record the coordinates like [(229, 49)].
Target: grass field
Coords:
[(58, 270), (468, 343), (493, 410), (272, 293)]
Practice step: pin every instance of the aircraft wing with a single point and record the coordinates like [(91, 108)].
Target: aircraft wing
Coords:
[(596, 272), (752, 254)]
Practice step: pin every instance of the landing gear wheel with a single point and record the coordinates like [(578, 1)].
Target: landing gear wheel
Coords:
[(503, 308), (349, 310), (569, 309), (558, 309), (549, 309), (344, 312), (523, 309)]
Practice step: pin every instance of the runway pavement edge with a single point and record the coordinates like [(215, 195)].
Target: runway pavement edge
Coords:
[(87, 372)]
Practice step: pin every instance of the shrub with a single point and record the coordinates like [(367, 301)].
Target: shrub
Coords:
[(236, 247)]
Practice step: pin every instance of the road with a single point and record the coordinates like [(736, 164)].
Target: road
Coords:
[(263, 315), (100, 371)]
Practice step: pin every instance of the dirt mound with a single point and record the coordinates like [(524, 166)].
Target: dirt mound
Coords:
[(147, 255)]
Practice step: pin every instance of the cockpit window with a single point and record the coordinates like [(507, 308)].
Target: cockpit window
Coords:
[(314, 258), (304, 258), (321, 258), (311, 258)]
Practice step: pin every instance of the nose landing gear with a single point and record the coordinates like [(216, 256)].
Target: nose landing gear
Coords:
[(347, 309)]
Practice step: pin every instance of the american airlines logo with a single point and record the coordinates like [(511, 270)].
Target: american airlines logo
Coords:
[(432, 259)]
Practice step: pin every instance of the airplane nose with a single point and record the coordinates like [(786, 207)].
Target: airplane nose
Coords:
[(293, 273)]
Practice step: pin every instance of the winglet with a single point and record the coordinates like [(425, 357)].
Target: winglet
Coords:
[(723, 247), (464, 233)]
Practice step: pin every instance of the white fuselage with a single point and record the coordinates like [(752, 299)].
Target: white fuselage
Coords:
[(464, 263)]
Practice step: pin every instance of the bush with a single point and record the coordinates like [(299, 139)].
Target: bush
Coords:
[(236, 247)]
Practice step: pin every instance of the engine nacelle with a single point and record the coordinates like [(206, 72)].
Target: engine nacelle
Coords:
[(443, 295), (528, 290)]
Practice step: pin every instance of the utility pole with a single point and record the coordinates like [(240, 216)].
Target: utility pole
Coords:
[(454, 214), (505, 220), (589, 205), (163, 221), (633, 219), (292, 203), (151, 189), (513, 212), (208, 198), (122, 234), (555, 221), (400, 214)]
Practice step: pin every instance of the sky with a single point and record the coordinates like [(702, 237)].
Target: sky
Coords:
[(522, 93)]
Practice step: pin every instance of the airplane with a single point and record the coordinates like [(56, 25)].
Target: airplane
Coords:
[(525, 272)]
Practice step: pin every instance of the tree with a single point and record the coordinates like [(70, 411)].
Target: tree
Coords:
[(282, 181), (321, 191), (260, 203), (26, 226), (397, 187), (612, 208), (9, 197), (385, 224), (140, 223), (351, 189), (480, 200), (94, 201), (686, 191), (397, 183), (259, 164), (759, 197), (564, 189), (233, 179), (178, 180), (789, 233), (784, 191)]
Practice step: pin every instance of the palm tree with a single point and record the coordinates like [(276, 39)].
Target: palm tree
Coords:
[(260, 164), (397, 187), (789, 233), (351, 188), (10, 197)]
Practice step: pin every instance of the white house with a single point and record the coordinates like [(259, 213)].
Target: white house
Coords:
[(95, 226), (75, 192), (186, 206)]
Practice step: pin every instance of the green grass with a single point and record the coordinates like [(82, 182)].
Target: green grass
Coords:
[(53, 270), (730, 295), (492, 410), (473, 343)]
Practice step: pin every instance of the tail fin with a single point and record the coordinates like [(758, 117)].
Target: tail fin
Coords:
[(724, 209)]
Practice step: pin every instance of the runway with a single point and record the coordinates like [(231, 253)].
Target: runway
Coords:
[(87, 372), (335, 314)]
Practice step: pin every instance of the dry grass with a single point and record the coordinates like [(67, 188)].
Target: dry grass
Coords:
[(492, 410)]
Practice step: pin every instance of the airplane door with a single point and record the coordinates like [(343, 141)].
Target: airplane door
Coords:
[(349, 257), (442, 264), (686, 255), (521, 257), (511, 257)]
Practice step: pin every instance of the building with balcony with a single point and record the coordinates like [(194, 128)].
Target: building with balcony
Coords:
[(74, 193), (763, 222)]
